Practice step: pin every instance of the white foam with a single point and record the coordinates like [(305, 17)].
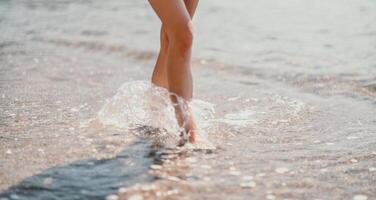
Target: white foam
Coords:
[(241, 118)]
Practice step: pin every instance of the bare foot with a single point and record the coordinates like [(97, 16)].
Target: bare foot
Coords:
[(188, 136), (185, 120), (191, 128), (189, 133), (192, 136)]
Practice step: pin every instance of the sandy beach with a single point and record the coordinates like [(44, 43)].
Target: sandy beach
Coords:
[(285, 91)]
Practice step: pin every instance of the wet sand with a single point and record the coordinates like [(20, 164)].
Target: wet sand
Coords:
[(294, 102)]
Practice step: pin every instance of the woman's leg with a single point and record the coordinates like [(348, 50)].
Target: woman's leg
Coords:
[(178, 26), (159, 76), (191, 6)]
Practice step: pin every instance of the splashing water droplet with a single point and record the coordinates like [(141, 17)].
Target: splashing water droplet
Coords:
[(135, 197), (360, 197), (148, 111), (281, 170), (250, 184), (112, 197)]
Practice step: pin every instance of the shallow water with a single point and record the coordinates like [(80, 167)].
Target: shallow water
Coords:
[(285, 91)]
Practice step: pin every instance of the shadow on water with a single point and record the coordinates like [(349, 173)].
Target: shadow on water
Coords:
[(88, 179), (95, 179)]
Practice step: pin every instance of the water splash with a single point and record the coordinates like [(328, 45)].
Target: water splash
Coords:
[(271, 110), (240, 119), (148, 111)]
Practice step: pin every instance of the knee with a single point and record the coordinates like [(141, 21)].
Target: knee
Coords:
[(182, 37)]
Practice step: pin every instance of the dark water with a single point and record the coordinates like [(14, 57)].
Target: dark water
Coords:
[(88, 179)]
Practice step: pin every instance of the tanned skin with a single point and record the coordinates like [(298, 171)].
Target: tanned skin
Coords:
[(173, 67)]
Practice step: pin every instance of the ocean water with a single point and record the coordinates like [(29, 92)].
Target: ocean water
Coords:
[(284, 95)]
